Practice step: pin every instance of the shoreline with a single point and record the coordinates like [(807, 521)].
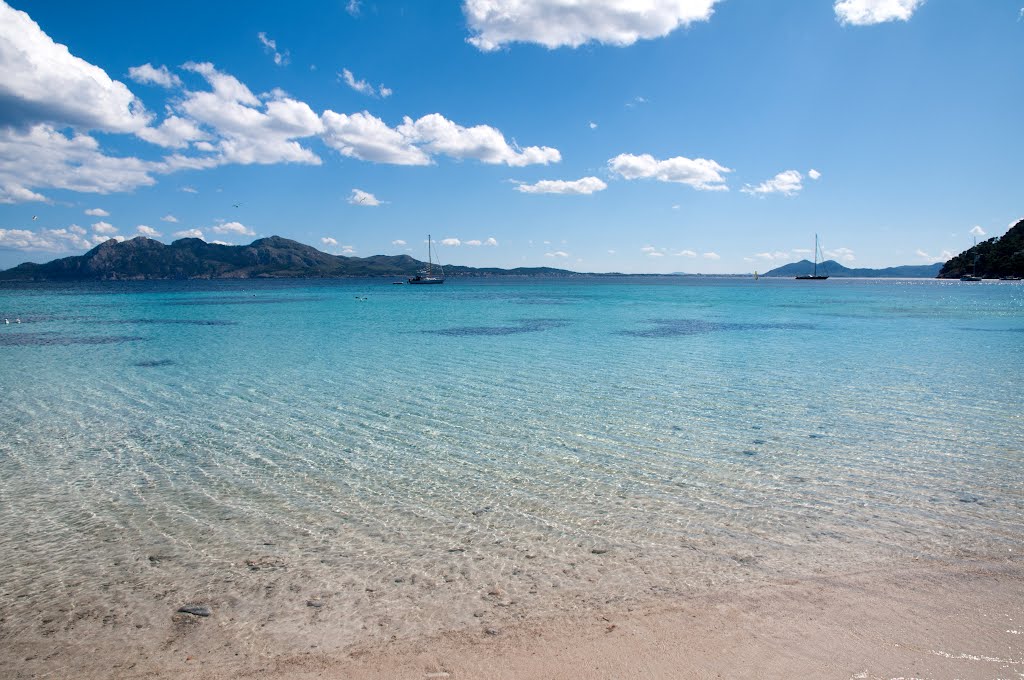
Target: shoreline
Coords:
[(934, 620)]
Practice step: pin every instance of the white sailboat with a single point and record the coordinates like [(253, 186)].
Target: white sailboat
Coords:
[(816, 276), (427, 275)]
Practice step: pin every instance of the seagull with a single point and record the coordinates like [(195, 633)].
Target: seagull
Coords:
[(35, 217), (237, 205)]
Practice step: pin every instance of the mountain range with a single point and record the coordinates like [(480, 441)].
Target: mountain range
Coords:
[(143, 258), (834, 269)]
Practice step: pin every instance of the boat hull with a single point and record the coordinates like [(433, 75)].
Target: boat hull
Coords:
[(811, 278), (419, 281)]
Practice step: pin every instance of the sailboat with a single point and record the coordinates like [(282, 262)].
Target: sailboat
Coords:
[(973, 276), (427, 275), (816, 276)]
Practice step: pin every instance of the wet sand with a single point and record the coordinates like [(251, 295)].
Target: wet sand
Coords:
[(963, 620)]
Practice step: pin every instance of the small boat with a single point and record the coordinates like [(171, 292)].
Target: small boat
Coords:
[(398, 283), (1009, 278), (816, 276), (427, 275)]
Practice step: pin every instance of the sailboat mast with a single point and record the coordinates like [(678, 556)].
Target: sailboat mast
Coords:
[(815, 255), (430, 262)]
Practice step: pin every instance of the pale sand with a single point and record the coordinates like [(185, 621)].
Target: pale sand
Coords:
[(921, 621)]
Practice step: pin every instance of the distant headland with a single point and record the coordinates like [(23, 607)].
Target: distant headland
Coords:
[(143, 258)]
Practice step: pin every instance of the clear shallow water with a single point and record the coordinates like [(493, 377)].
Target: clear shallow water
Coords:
[(457, 456)]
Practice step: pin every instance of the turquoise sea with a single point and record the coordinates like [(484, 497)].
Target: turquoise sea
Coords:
[(327, 462)]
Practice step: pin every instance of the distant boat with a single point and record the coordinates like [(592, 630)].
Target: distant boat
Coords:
[(973, 276), (427, 275), (816, 276)]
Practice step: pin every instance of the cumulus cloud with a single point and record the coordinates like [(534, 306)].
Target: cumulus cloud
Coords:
[(49, 240), (148, 231), (686, 253), (699, 173), (557, 23), (328, 241), (557, 253), (477, 242), (174, 132), (248, 131), (451, 242), (363, 87), (190, 190), (593, 125), (42, 82), (365, 198), (787, 183), (170, 218), (868, 12), (398, 242), (147, 74), (976, 230), (232, 228), (586, 185), (188, 233), (97, 212), (270, 47), (42, 157), (813, 174), (941, 257), (775, 255), (711, 256), (414, 142), (841, 254), (104, 228), (348, 250)]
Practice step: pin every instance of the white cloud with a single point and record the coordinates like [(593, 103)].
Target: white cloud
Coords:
[(247, 130), (104, 228), (97, 212), (436, 134), (813, 174), (976, 230), (398, 242), (787, 183), (491, 241), (474, 242), (42, 82), (841, 254), (586, 185), (451, 242), (348, 250), (190, 190), (353, 7), (48, 240), (686, 253), (699, 173), (776, 255), (169, 218), (593, 125), (147, 74), (363, 87), (712, 256), (941, 257), (557, 23), (557, 253), (188, 233), (366, 137), (148, 231), (365, 198), (867, 12), (174, 132), (43, 158), (328, 241), (232, 228), (280, 58)]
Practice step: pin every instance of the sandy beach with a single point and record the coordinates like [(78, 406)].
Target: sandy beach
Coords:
[(963, 620)]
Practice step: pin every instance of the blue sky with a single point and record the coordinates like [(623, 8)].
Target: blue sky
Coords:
[(710, 136)]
